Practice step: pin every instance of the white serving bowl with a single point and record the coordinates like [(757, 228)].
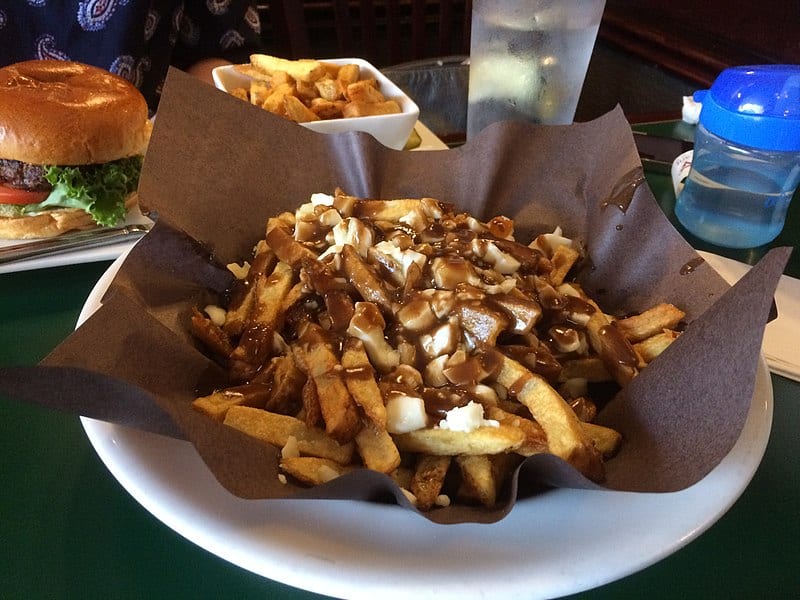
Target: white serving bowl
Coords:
[(391, 130)]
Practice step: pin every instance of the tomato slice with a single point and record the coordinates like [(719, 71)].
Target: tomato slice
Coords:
[(9, 195)]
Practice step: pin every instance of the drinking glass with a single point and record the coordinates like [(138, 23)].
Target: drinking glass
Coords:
[(528, 59)]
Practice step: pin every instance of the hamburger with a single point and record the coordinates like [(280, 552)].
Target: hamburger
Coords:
[(72, 138)]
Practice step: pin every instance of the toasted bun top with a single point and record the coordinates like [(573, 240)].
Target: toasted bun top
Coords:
[(56, 112)]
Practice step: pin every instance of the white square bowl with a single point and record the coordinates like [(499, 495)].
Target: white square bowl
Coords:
[(391, 130)]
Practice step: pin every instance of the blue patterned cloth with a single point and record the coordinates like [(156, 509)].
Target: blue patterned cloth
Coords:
[(137, 39)]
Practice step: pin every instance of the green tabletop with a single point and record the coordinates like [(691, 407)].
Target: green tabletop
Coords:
[(69, 530)]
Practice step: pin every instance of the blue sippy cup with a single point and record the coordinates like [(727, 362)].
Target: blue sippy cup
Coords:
[(746, 163)]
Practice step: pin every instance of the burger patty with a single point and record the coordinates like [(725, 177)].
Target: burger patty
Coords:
[(17, 174)]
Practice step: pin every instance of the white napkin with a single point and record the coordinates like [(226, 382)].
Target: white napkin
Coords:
[(781, 348)]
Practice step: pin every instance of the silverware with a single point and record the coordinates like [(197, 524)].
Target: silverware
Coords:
[(72, 241)]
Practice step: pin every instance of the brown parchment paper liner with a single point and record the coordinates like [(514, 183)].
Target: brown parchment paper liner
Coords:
[(217, 168)]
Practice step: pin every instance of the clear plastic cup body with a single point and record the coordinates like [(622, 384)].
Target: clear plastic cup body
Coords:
[(528, 59), (736, 196)]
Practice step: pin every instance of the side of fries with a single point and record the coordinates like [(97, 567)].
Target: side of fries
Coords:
[(404, 337), (308, 90)]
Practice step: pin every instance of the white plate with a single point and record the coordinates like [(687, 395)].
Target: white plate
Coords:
[(77, 256), (560, 542)]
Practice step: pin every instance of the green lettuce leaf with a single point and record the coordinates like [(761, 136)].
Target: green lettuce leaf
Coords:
[(100, 190)]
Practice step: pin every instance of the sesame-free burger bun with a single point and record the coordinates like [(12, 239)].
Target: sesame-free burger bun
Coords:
[(65, 113)]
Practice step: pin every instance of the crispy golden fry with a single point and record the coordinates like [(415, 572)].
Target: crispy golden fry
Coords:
[(276, 430), (270, 291), (364, 278), (327, 109), (241, 94), (359, 376), (535, 438), (259, 91), (312, 413), (250, 71), (605, 439), (298, 112), (364, 92), (347, 75), (649, 349), (478, 475), (212, 335), (328, 89), (650, 322), (565, 437), (285, 381), (367, 325), (312, 470), (563, 260), (216, 404), (255, 345), (316, 357), (306, 91), (377, 449), (445, 442), (393, 210), (612, 346), (280, 239), (368, 109), (426, 483), (301, 70), (591, 369), (275, 100)]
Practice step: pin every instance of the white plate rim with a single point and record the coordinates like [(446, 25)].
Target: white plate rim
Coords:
[(352, 550)]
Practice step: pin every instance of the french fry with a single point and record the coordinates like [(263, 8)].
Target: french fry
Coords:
[(605, 439), (211, 335), (364, 92), (564, 257), (428, 479), (276, 430), (377, 449), (364, 278), (216, 404), (301, 70), (445, 442), (327, 109), (591, 369), (368, 109), (347, 75), (535, 438), (328, 89), (478, 475), (312, 470), (316, 357), (241, 94), (565, 437), (275, 101), (650, 348), (612, 346), (296, 111), (312, 413), (359, 377), (650, 322), (250, 71), (285, 383), (260, 90)]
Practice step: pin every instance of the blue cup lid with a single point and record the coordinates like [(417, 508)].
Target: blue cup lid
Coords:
[(756, 106)]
